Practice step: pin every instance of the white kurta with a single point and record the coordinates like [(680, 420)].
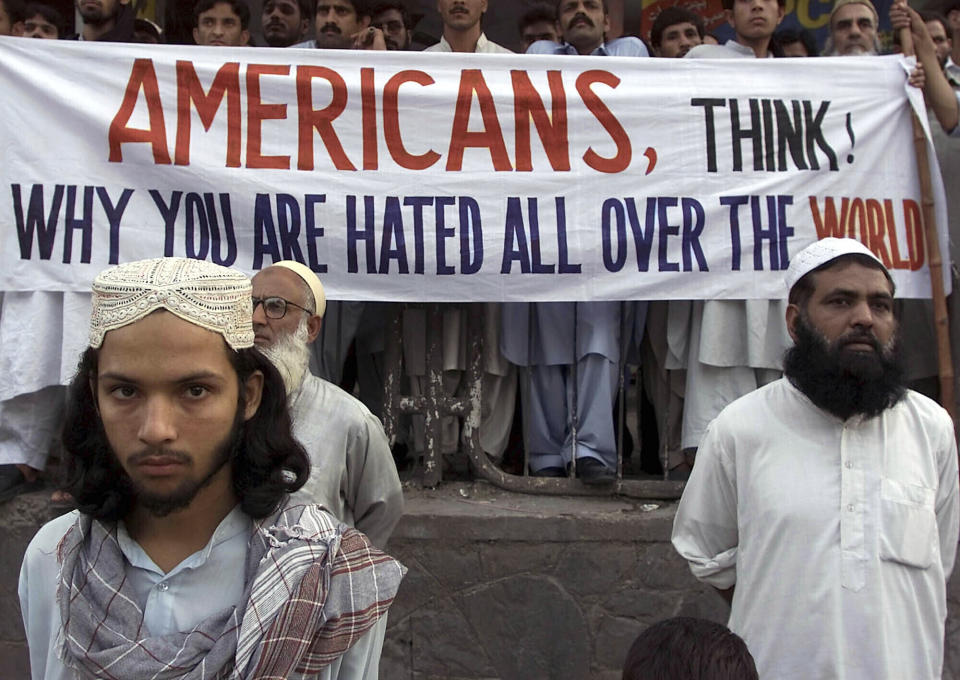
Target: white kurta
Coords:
[(483, 45), (352, 473), (206, 582), (42, 335), (839, 535), (729, 347)]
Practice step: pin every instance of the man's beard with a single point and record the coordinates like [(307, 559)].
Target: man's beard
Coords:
[(844, 382), (96, 16), (855, 50), (282, 39), (860, 51), (290, 354), (161, 505)]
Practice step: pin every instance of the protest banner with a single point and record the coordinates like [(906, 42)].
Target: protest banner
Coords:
[(455, 177)]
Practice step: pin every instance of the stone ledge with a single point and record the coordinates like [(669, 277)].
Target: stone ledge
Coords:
[(478, 511)]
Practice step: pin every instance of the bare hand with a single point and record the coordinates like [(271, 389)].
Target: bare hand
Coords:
[(899, 16), (369, 39), (918, 77), (903, 16)]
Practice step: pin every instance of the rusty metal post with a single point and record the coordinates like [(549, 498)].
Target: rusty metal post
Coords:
[(393, 373), (433, 426)]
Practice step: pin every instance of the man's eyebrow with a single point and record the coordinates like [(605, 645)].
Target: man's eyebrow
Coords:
[(885, 295), (189, 377), (849, 292), (846, 292)]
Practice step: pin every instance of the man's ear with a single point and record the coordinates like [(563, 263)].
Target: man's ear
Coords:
[(17, 29), (728, 13), (793, 315), (245, 35), (252, 393), (779, 14), (314, 326), (364, 22), (196, 36)]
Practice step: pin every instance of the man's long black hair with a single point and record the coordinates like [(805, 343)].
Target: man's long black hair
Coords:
[(269, 463)]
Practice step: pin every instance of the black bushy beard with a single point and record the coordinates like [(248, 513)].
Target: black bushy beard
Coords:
[(841, 381), (162, 505)]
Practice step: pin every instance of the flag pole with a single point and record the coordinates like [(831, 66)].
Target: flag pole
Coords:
[(934, 258)]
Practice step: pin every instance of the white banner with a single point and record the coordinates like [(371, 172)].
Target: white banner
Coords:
[(412, 176)]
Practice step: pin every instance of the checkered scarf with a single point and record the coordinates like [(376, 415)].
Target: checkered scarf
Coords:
[(313, 587)]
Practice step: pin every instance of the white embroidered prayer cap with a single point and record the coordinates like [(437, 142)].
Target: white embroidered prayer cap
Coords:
[(842, 3), (309, 278), (820, 252), (205, 294)]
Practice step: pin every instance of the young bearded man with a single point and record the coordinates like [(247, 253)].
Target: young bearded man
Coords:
[(825, 505), (187, 557), (106, 20)]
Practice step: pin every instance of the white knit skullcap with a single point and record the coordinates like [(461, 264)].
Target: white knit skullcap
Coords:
[(205, 294), (843, 3), (309, 278), (820, 252)]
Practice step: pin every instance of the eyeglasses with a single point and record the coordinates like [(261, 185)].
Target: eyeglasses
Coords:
[(276, 307)]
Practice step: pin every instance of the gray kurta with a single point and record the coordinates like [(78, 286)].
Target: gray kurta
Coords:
[(352, 472)]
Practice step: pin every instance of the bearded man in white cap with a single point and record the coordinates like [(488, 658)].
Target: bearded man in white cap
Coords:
[(187, 556), (352, 470), (824, 505)]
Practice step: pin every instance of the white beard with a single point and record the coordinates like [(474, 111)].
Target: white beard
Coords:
[(859, 51), (290, 354)]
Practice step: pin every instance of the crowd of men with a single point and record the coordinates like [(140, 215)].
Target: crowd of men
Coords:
[(695, 357), (213, 434)]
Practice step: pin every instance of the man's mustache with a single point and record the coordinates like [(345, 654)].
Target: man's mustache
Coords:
[(160, 452), (860, 337), (578, 17), (332, 27)]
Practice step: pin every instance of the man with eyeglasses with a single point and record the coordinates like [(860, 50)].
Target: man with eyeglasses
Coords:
[(352, 473), (394, 20)]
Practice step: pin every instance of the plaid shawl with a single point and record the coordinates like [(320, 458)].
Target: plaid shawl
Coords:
[(313, 587)]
